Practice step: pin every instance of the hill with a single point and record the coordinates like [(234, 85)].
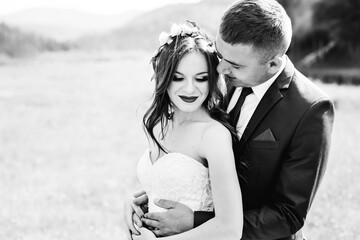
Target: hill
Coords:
[(65, 25), (143, 30), (135, 30), (17, 43)]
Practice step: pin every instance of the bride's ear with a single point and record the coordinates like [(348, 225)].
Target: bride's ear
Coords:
[(275, 64)]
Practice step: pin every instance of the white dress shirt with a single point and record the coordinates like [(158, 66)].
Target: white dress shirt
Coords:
[(251, 101)]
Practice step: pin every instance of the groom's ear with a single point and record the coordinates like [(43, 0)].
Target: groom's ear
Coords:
[(275, 64)]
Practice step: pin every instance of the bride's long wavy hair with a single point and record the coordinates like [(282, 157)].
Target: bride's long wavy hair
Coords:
[(165, 63)]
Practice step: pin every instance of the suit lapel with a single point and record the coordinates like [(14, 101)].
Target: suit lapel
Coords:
[(271, 97)]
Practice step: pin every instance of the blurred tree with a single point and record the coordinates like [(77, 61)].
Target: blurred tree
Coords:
[(300, 12), (340, 19), (16, 43)]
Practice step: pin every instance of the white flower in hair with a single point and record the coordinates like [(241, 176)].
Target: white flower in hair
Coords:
[(170, 40), (175, 30), (211, 49), (187, 30), (164, 38)]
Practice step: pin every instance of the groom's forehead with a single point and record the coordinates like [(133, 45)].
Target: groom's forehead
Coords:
[(222, 45), (223, 50), (218, 44)]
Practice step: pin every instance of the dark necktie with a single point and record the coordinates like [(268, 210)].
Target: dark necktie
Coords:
[(235, 112)]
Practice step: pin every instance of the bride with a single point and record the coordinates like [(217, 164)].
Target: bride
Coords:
[(190, 158)]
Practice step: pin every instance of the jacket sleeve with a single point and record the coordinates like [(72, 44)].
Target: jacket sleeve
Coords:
[(200, 217), (301, 173)]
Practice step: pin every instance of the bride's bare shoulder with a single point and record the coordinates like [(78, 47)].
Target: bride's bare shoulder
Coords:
[(216, 142), (215, 130)]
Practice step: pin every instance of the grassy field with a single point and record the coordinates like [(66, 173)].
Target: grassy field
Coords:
[(70, 137)]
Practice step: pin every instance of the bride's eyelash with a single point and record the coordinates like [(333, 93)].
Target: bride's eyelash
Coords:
[(202, 79), (177, 79), (199, 79)]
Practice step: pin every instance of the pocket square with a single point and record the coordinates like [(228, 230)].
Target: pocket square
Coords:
[(265, 136)]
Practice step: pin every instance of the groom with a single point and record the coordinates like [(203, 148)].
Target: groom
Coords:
[(284, 127)]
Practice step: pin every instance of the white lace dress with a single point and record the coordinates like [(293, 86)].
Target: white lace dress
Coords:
[(176, 177)]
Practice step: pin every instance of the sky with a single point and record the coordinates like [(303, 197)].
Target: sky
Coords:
[(104, 7)]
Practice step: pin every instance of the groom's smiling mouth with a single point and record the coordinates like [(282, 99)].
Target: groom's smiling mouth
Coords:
[(188, 99)]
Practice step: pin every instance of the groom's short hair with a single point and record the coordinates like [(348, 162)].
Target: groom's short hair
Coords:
[(264, 24)]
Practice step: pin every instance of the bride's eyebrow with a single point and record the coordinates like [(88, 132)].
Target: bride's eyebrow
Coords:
[(201, 73), (177, 72)]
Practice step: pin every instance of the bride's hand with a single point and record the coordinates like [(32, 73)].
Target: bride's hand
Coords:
[(133, 212), (145, 234)]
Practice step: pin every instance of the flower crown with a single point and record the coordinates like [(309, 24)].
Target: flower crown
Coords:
[(183, 30)]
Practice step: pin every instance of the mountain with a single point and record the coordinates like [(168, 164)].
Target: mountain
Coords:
[(142, 32), (63, 25), (139, 30)]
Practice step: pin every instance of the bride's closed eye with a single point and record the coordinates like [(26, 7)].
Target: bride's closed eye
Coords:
[(202, 79), (178, 79)]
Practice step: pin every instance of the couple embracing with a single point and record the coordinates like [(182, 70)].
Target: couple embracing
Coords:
[(238, 138)]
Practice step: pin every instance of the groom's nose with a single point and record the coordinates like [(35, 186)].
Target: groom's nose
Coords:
[(223, 67)]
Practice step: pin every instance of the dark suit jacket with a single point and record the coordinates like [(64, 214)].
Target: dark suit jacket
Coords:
[(286, 145)]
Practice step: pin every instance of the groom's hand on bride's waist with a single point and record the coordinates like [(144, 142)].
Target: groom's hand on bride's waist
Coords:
[(177, 219)]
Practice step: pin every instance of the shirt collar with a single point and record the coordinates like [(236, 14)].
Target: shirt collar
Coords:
[(260, 90)]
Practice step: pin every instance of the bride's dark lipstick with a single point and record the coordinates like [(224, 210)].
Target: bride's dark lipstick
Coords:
[(188, 99)]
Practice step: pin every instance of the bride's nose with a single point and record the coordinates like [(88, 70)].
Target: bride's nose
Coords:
[(189, 86)]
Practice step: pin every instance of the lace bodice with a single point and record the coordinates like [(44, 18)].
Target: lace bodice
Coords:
[(176, 177)]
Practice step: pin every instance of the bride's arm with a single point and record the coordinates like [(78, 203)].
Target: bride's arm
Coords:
[(228, 220)]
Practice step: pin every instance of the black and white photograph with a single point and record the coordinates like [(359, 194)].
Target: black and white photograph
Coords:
[(179, 119)]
